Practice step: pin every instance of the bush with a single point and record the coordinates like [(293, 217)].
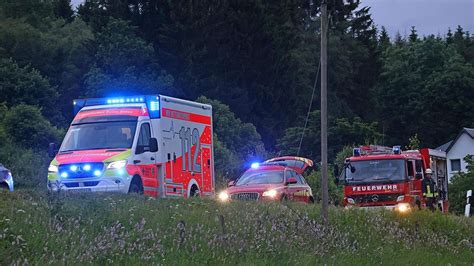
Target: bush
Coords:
[(27, 128), (460, 184), (28, 167)]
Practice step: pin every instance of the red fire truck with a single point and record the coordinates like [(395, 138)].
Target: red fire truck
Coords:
[(152, 144), (378, 176)]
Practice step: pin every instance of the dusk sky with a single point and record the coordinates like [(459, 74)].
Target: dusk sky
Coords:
[(428, 16)]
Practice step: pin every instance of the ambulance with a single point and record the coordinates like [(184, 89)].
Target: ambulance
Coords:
[(152, 144)]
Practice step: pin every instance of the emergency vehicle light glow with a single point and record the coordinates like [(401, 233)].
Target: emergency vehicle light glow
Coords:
[(97, 173), (254, 165), (125, 100), (356, 152), (64, 174), (397, 149), (87, 167), (154, 106)]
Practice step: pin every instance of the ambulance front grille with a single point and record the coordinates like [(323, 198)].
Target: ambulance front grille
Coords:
[(245, 196)]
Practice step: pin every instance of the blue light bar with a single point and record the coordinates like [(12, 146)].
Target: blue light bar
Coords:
[(255, 165), (152, 102)]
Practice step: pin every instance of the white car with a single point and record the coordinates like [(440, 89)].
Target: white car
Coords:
[(6, 179)]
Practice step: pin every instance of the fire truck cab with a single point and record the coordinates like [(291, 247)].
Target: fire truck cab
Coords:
[(377, 176), (156, 145)]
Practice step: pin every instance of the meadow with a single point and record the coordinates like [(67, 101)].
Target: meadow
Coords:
[(57, 228)]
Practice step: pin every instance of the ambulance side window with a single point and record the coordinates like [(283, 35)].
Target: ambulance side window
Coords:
[(143, 144)]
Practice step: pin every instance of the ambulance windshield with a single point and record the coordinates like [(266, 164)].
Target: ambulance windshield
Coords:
[(375, 170), (99, 135)]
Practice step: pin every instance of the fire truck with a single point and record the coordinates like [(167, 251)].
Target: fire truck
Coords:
[(156, 145), (378, 176)]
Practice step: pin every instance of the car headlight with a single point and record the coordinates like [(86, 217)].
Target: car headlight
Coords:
[(223, 196), (52, 168), (117, 164), (270, 193), (403, 207), (400, 198)]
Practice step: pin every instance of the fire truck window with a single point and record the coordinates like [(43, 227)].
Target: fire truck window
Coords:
[(419, 167), (411, 173), (143, 144)]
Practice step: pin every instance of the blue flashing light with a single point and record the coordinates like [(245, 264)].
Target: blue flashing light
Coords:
[(97, 172), (255, 165), (87, 167), (73, 168), (397, 149), (152, 101), (356, 152), (64, 175), (154, 105), (121, 172)]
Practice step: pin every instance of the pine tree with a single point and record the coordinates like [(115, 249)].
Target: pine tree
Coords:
[(413, 35), (63, 9)]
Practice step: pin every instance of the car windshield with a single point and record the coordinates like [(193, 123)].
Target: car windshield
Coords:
[(375, 170), (268, 177), (103, 135)]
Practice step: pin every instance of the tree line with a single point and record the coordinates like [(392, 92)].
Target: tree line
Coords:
[(256, 61)]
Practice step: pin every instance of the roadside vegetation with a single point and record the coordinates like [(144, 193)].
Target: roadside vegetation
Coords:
[(37, 228)]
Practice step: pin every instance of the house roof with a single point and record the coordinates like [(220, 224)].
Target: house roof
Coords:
[(447, 146), (444, 146)]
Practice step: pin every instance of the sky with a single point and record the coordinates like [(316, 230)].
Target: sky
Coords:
[(428, 16)]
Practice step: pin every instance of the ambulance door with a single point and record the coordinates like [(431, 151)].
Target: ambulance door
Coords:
[(145, 159)]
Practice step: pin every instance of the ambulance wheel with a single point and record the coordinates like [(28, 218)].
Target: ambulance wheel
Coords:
[(136, 185), (194, 191)]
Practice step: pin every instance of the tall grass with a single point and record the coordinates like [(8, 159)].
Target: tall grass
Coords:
[(39, 228)]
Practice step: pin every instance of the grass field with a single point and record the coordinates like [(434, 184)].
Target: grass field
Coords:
[(38, 228)]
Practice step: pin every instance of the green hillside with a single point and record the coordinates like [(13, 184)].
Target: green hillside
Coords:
[(120, 229)]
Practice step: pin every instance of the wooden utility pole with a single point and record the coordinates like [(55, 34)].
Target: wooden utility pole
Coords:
[(324, 112)]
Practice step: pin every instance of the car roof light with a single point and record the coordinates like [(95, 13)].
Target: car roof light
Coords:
[(356, 152), (255, 165)]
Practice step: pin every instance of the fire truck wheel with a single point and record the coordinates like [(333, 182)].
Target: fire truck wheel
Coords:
[(311, 200), (136, 185), (194, 191), (284, 198)]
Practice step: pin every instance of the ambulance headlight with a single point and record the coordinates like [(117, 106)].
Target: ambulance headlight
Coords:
[(53, 168), (270, 193), (223, 196), (117, 164)]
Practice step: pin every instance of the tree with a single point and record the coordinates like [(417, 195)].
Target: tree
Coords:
[(239, 142), (27, 128), (63, 9), (26, 85), (423, 88), (124, 64), (342, 132), (413, 35)]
